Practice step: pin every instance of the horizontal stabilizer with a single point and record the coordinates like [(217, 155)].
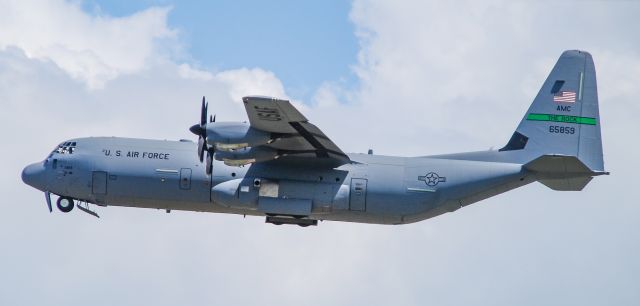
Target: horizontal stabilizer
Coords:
[(567, 184), (562, 172)]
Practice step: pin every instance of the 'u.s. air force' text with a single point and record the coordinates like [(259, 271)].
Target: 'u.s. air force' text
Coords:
[(136, 154)]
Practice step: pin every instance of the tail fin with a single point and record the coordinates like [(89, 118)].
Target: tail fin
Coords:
[(564, 120)]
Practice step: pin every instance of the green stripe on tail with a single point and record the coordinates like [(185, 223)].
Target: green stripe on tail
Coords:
[(562, 118)]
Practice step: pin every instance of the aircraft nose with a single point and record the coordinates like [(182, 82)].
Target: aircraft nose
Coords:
[(33, 175)]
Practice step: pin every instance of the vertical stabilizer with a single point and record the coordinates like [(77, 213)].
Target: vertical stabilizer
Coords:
[(563, 119)]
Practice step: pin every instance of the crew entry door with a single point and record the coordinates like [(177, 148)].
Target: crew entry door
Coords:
[(99, 182), (185, 178), (358, 194)]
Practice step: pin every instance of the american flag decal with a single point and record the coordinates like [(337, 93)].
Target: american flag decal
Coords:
[(565, 97)]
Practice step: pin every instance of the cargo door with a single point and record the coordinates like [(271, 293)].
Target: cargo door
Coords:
[(358, 194)]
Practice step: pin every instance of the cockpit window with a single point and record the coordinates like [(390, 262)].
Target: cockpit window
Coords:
[(66, 148)]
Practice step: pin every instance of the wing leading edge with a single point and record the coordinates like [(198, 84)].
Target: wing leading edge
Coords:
[(294, 137)]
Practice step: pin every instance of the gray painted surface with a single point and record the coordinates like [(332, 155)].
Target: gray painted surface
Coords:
[(313, 178)]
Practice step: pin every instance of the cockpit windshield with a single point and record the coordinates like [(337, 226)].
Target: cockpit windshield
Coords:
[(68, 147)]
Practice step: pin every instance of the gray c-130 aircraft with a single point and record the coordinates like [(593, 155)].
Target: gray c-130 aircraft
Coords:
[(282, 167)]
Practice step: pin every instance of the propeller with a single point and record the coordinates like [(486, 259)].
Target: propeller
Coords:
[(209, 164), (201, 149), (201, 131)]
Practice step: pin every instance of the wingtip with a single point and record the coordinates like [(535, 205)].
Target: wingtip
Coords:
[(246, 99), (598, 173)]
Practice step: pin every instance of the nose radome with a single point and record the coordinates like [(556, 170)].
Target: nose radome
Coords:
[(33, 175)]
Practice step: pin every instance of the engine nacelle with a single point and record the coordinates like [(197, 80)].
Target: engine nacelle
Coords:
[(246, 156), (227, 136)]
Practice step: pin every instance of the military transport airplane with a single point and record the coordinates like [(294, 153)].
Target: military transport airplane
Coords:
[(281, 166)]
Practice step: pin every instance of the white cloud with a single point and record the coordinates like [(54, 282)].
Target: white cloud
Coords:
[(256, 81), (434, 71), (188, 72), (93, 49)]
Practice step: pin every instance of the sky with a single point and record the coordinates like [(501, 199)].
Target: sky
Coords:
[(220, 35), (403, 78)]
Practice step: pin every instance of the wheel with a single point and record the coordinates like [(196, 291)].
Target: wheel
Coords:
[(65, 204)]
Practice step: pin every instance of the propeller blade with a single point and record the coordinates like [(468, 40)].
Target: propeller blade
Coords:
[(203, 113), (209, 165), (47, 196), (201, 149)]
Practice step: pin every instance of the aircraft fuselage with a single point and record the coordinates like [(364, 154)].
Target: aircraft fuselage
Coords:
[(111, 171)]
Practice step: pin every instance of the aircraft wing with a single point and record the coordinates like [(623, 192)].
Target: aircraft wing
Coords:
[(296, 138)]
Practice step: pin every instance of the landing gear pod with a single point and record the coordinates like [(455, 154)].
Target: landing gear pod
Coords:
[(65, 204)]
